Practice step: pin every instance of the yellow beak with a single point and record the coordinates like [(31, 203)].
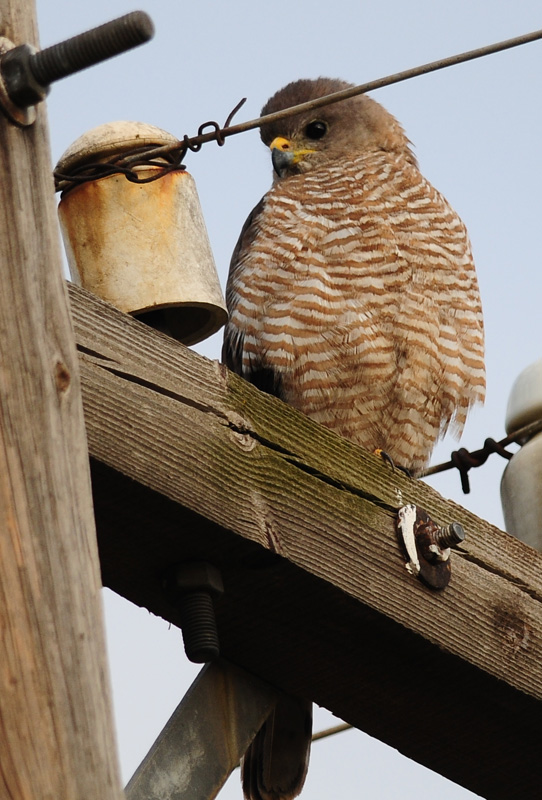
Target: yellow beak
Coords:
[(286, 146), (284, 154)]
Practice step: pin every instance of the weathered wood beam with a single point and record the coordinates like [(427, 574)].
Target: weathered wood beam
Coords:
[(189, 461), (56, 733)]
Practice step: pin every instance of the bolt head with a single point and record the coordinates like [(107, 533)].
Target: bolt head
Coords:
[(22, 87), (457, 532), (193, 576)]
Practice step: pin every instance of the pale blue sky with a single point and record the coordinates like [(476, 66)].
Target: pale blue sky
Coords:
[(477, 131)]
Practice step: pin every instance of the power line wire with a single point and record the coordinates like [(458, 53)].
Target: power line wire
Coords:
[(353, 91), (123, 163)]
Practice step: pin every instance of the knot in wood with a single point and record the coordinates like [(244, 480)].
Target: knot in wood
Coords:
[(241, 431), (513, 629), (62, 377), (245, 441)]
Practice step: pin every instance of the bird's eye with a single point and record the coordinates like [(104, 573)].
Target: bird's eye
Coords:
[(316, 129)]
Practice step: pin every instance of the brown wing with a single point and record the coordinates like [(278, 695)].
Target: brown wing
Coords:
[(233, 345), (264, 378)]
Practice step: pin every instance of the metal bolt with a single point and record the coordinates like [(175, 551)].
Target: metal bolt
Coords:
[(450, 535), (28, 73), (191, 587)]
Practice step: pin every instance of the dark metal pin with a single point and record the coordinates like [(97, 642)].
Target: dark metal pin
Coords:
[(27, 73)]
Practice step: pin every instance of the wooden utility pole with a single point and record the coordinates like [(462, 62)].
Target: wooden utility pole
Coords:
[(56, 740)]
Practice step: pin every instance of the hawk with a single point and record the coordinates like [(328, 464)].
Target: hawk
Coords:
[(352, 295)]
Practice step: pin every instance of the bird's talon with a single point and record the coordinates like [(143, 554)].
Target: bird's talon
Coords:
[(404, 470), (384, 456), (389, 460)]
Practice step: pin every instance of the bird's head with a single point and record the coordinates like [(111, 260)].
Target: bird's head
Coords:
[(336, 132)]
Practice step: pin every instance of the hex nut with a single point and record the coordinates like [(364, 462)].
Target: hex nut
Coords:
[(193, 576)]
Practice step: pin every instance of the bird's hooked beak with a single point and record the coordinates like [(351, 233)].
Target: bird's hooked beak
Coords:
[(284, 155)]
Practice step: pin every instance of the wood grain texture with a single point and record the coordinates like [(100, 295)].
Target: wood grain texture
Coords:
[(190, 461), (56, 736)]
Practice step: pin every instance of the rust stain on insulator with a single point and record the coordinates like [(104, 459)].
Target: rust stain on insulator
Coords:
[(143, 247)]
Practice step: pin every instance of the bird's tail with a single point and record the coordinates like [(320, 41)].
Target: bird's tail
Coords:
[(276, 763)]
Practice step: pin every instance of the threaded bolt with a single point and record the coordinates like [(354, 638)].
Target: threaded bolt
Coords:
[(191, 588), (198, 624), (28, 73), (91, 47), (451, 535)]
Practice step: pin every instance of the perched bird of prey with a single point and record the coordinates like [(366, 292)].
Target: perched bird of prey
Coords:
[(352, 295)]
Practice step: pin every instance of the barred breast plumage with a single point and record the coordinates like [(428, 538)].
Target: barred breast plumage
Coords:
[(353, 289), (352, 292)]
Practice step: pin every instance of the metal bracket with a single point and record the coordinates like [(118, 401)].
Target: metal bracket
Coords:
[(206, 737), (427, 545)]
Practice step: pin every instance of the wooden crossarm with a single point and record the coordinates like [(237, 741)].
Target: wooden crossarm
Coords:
[(189, 461)]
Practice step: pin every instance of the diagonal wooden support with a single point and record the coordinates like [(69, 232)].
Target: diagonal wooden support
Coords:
[(206, 736)]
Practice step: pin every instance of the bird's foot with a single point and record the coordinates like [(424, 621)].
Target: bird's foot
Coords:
[(389, 460)]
